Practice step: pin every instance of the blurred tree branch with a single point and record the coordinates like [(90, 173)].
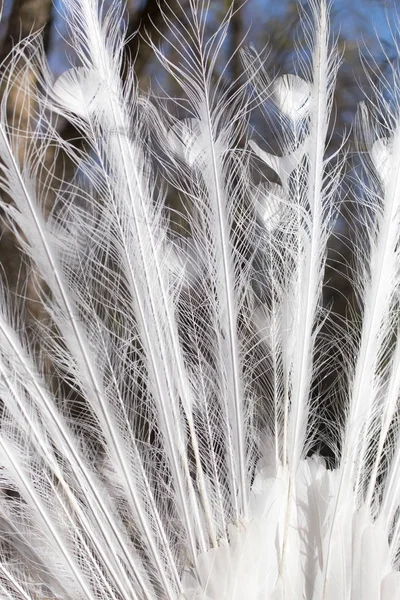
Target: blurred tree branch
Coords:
[(27, 16), (147, 22)]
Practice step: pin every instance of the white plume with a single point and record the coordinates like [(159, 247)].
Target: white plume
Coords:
[(169, 451)]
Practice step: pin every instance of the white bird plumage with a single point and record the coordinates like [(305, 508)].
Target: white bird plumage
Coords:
[(191, 349)]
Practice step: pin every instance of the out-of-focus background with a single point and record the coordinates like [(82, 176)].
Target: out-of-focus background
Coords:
[(272, 27)]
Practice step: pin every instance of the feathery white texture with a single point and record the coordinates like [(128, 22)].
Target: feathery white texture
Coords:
[(212, 181), (308, 200), (371, 428), (26, 397), (192, 356), (380, 296), (83, 352)]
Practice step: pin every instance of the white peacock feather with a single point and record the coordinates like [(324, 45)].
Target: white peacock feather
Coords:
[(192, 352)]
